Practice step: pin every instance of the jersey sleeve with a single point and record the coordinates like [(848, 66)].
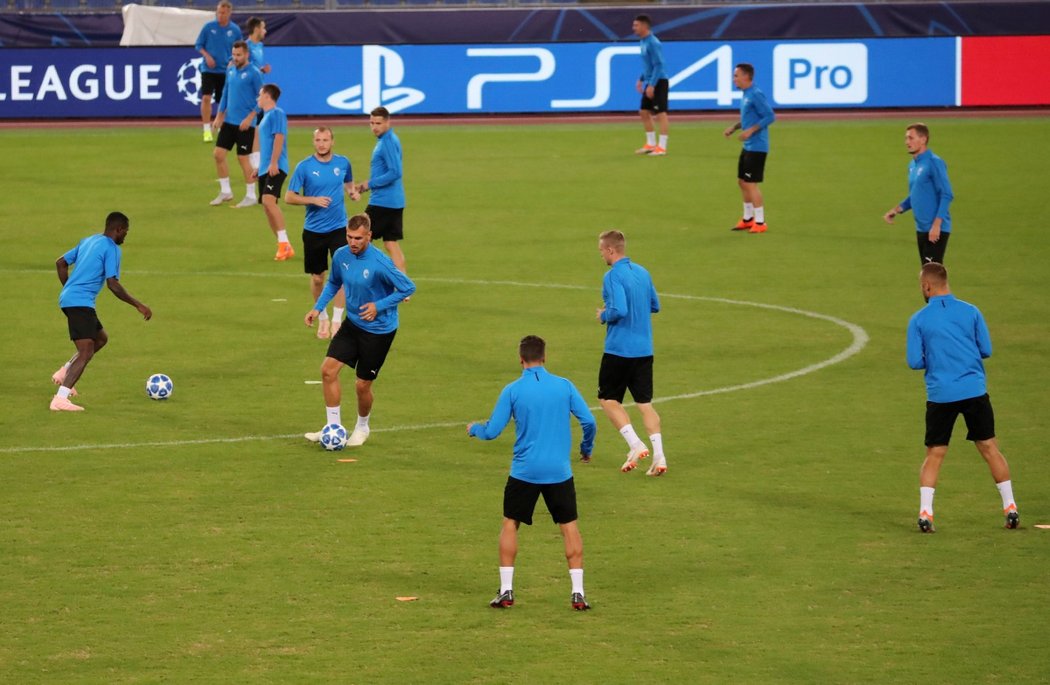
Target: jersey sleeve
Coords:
[(201, 38), (392, 159), (257, 84), (297, 181), (331, 287), (583, 414), (111, 264), (71, 256), (943, 187), (654, 299), (615, 300), (491, 429), (983, 337), (765, 113), (224, 101), (656, 64), (916, 353), (402, 284)]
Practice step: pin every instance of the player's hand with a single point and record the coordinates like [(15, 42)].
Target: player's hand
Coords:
[(469, 426), (585, 458), (266, 69), (322, 200), (368, 311), (362, 187), (244, 125), (355, 196), (935, 234), (272, 170), (638, 86), (729, 131), (745, 134), (255, 176), (598, 313), (649, 92), (309, 318), (210, 61), (888, 216), (146, 312)]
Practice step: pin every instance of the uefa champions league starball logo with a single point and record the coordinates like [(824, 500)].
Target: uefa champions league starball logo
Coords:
[(190, 81)]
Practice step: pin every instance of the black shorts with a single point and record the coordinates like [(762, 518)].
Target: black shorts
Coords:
[(83, 323), (360, 349), (658, 103), (932, 252), (212, 83), (317, 247), (751, 167), (386, 222), (617, 375), (231, 134), (940, 420), (271, 185), (519, 500)]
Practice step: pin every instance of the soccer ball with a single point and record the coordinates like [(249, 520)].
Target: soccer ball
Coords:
[(333, 437), (158, 387)]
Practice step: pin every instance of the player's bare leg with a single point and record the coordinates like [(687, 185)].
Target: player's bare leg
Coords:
[(989, 450), (330, 388), (206, 117), (570, 533), (393, 249), (222, 168), (651, 420), (365, 398), (650, 132), (250, 198)]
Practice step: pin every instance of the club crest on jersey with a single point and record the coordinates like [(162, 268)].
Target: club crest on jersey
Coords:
[(337, 171), (364, 274)]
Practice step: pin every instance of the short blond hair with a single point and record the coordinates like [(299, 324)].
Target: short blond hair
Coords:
[(614, 239)]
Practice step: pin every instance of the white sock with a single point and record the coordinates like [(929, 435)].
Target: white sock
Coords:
[(337, 314), (362, 423), (658, 445), (224, 186), (63, 392), (334, 415), (506, 579), (630, 436), (650, 137), (926, 500), (249, 191), (663, 142), (576, 574), (323, 316), (749, 211), (253, 159), (282, 236), (1006, 491), (760, 215), (206, 127)]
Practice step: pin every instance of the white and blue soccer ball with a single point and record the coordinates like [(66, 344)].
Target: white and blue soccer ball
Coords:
[(159, 387), (334, 437)]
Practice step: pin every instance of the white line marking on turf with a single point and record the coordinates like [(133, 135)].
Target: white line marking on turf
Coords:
[(860, 340), (312, 382)]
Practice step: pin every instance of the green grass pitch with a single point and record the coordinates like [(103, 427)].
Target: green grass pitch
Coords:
[(202, 539)]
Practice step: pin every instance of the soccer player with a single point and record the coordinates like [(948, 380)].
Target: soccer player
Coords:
[(256, 28), (629, 301), (215, 43), (929, 195), (653, 85), (540, 404), (386, 207), (374, 287), (318, 183), (96, 260), (755, 118), (948, 339), (238, 105), (273, 148)]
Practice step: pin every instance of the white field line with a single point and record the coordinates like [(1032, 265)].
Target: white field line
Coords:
[(860, 339)]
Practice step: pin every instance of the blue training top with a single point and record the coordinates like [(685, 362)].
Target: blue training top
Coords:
[(218, 41), (948, 338), (540, 403), (755, 110), (367, 277), (97, 259), (240, 93), (929, 192), (385, 183), (255, 54), (653, 66), (273, 122), (630, 300), (314, 178)]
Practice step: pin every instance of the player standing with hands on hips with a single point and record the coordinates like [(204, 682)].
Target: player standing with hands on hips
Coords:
[(374, 288), (756, 116), (540, 404), (929, 196), (948, 339), (629, 301), (654, 86)]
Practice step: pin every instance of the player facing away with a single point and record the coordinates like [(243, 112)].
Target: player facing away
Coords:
[(95, 260), (929, 196), (235, 123), (756, 116), (273, 149), (947, 339), (319, 183), (256, 30), (386, 207), (374, 287), (628, 302), (653, 85), (540, 404), (215, 43)]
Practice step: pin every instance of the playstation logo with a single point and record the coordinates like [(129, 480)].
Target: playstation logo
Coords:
[(382, 71)]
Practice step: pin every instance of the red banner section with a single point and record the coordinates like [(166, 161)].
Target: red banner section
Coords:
[(1008, 70)]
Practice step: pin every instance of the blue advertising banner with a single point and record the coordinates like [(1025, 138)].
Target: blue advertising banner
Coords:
[(463, 79)]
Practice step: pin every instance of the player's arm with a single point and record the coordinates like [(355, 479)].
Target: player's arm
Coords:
[(275, 156), (331, 287), (579, 409), (916, 354), (731, 130), (615, 305), (115, 287), (491, 429), (654, 299), (403, 286), (350, 189), (982, 336), (392, 158), (199, 45), (62, 267), (943, 187)]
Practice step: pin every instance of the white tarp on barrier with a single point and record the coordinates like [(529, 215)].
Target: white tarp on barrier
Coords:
[(162, 25)]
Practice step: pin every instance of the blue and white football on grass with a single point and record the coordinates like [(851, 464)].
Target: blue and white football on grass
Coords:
[(159, 387), (334, 437)]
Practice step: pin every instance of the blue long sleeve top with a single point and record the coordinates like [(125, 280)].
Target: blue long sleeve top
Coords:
[(653, 66), (929, 192), (385, 182), (948, 339), (540, 404), (241, 92), (755, 111), (218, 40), (630, 301), (367, 277)]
